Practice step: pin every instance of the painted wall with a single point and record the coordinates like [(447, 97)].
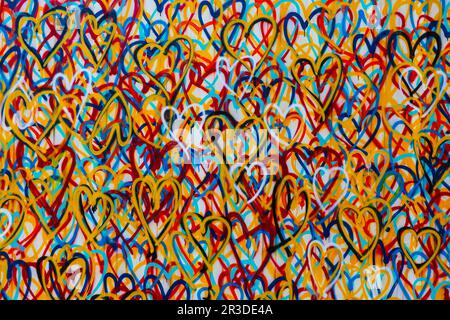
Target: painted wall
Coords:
[(225, 150)]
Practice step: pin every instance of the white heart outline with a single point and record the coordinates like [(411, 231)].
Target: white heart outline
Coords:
[(419, 74), (248, 169), (65, 80), (9, 216), (17, 119), (231, 68), (294, 106), (179, 115), (365, 280)]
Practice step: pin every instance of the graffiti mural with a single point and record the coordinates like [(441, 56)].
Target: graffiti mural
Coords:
[(224, 149)]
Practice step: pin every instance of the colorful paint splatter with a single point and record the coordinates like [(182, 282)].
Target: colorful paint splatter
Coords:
[(224, 149)]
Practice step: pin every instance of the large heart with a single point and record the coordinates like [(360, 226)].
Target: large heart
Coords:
[(93, 210), (166, 65), (209, 234), (420, 247), (424, 53), (32, 120), (256, 38), (64, 276), (325, 263), (156, 203), (12, 214), (319, 81), (292, 207), (113, 125), (97, 37), (360, 228), (47, 190), (40, 37)]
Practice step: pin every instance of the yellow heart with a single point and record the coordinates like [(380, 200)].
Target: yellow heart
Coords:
[(37, 22), (247, 31), (359, 221), (94, 198), (8, 204), (156, 187), (161, 58), (333, 82), (319, 269), (61, 265), (109, 28), (414, 242), (50, 114), (208, 257), (115, 127), (294, 204)]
